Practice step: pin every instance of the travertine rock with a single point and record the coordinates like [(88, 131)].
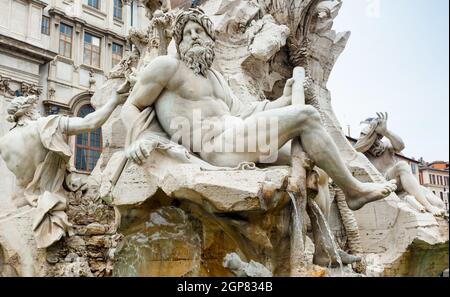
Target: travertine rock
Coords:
[(267, 38), (222, 190), (18, 244), (242, 269)]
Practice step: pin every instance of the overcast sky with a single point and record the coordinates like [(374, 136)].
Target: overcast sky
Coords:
[(396, 61)]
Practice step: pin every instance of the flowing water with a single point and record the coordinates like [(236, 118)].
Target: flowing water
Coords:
[(327, 236), (297, 220)]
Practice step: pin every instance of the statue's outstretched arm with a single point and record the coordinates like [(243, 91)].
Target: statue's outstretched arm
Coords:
[(77, 125)]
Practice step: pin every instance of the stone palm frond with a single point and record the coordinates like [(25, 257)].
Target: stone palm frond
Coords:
[(296, 14)]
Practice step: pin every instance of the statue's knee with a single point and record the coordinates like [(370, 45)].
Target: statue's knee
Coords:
[(310, 113)]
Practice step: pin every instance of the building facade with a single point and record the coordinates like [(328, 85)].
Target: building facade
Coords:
[(435, 176), (62, 50)]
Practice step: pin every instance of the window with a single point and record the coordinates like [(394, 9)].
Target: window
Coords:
[(441, 182), (442, 196), (118, 9), (88, 146), (413, 168), (45, 25), (117, 53), (91, 50), (94, 3), (65, 40), (432, 179), (446, 180)]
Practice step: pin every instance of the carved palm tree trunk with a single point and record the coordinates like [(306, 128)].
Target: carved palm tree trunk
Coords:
[(351, 228), (298, 186), (349, 222)]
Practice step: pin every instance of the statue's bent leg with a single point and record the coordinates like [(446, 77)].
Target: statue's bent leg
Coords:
[(401, 171), (296, 121), (251, 139), (323, 151)]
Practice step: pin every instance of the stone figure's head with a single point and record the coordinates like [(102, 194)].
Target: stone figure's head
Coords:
[(133, 59), (371, 126), (21, 109), (194, 37), (369, 139)]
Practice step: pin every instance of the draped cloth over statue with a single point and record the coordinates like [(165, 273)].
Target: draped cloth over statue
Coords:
[(50, 222)]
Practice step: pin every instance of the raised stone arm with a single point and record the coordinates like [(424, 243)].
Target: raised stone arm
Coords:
[(77, 125), (397, 144)]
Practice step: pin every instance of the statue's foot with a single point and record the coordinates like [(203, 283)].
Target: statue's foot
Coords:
[(435, 211), (369, 192), (347, 258), (323, 259)]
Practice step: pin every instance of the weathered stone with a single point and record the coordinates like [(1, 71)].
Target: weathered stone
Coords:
[(78, 268), (242, 269), (267, 38), (223, 190)]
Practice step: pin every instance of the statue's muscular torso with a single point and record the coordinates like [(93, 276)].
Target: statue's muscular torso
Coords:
[(184, 92), (384, 162)]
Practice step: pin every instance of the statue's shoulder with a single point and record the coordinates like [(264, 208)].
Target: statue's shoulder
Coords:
[(161, 68), (164, 63)]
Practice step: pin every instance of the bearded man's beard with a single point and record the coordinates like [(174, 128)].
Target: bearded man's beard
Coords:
[(199, 58)]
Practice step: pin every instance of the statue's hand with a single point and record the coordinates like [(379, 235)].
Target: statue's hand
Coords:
[(140, 150), (287, 92), (382, 123), (120, 98)]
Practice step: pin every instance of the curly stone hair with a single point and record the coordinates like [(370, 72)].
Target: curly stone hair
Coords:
[(193, 14), (22, 106)]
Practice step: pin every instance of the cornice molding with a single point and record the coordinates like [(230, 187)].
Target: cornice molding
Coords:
[(76, 21), (27, 49), (39, 3)]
